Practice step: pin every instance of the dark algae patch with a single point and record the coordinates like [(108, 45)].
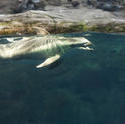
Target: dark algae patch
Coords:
[(87, 87)]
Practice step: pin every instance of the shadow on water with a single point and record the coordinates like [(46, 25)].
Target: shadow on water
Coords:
[(83, 87)]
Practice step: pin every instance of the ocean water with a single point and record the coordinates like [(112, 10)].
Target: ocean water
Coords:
[(84, 87)]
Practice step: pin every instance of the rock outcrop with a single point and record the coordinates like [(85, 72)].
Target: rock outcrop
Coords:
[(61, 20)]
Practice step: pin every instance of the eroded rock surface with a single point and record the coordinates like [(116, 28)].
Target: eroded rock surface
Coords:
[(61, 20)]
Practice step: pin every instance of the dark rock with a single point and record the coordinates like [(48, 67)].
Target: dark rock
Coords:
[(18, 9), (69, 0), (108, 6), (89, 2), (24, 5), (75, 3)]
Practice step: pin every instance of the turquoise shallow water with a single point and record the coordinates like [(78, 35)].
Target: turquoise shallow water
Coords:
[(84, 87)]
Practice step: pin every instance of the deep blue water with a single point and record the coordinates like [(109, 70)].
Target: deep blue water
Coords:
[(84, 87)]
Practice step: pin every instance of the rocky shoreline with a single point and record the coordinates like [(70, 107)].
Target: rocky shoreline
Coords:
[(62, 20)]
